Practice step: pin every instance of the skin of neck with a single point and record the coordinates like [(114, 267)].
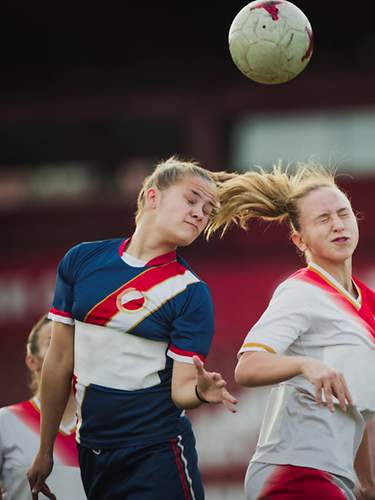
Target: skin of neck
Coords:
[(145, 243), (341, 271)]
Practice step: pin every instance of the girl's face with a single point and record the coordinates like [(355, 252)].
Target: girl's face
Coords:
[(35, 361), (182, 211), (328, 227), (44, 339)]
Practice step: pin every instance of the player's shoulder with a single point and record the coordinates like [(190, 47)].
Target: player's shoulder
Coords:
[(9, 411), (295, 282), (85, 250), (88, 247), (188, 269), (296, 289)]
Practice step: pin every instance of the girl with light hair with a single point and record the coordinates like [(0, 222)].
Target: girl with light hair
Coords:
[(19, 434), (314, 342), (140, 324)]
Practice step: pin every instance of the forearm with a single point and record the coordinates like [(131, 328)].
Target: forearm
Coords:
[(55, 389), (263, 368), (363, 463), (183, 394)]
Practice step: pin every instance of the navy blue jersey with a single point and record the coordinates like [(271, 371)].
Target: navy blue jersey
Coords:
[(132, 319)]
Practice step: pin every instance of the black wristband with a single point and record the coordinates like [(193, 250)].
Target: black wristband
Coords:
[(199, 396)]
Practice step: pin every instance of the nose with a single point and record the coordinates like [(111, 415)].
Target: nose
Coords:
[(197, 213), (338, 224)]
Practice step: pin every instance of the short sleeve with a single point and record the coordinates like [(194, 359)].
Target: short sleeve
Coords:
[(61, 309), (193, 329), (285, 319)]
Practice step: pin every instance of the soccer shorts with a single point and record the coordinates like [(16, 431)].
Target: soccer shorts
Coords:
[(283, 482), (164, 471)]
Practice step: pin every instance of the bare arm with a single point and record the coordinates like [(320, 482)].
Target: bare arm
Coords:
[(364, 469), (210, 386), (55, 389), (262, 368)]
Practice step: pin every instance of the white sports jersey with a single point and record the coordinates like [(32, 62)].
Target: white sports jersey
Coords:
[(19, 443), (311, 314)]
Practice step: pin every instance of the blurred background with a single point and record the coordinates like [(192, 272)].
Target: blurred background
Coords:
[(92, 94)]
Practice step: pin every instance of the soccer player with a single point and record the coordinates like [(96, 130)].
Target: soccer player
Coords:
[(315, 341), (19, 434), (140, 323)]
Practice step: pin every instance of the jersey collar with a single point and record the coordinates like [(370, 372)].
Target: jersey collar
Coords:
[(157, 261), (328, 278)]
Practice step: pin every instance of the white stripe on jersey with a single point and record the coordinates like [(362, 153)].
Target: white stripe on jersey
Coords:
[(116, 359), (60, 319), (180, 357), (155, 297)]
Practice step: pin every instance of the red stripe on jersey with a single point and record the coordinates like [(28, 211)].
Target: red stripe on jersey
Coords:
[(180, 466), (102, 312), (65, 447), (289, 481), (60, 313), (364, 314), (181, 352)]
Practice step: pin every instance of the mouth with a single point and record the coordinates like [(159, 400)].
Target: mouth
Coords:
[(193, 225), (341, 239)]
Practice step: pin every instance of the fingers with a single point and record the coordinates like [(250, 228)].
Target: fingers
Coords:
[(348, 396), (333, 385), (47, 492), (328, 395), (229, 401), (199, 366), (339, 391), (318, 393)]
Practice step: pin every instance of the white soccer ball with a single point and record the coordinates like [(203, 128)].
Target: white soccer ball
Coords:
[(271, 41)]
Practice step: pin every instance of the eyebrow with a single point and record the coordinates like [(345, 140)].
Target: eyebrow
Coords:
[(326, 214), (196, 193)]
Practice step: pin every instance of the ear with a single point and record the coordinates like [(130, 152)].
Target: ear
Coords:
[(298, 241), (151, 197), (33, 363)]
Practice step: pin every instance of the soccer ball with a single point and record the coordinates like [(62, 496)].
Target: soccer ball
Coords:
[(271, 41)]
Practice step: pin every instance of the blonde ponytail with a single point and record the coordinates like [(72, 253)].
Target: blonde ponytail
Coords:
[(270, 196)]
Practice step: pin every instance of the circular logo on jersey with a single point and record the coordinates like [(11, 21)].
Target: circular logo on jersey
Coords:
[(131, 300)]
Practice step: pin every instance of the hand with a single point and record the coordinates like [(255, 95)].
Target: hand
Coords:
[(328, 380), (211, 386), (367, 492), (37, 474)]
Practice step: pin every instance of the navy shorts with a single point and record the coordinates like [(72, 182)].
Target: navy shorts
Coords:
[(164, 471)]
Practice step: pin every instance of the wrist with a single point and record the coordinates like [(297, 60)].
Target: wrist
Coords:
[(301, 363), (199, 396)]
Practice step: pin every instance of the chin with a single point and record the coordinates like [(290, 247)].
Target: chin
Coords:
[(186, 240)]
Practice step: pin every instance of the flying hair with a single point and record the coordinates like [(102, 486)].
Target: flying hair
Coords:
[(270, 196)]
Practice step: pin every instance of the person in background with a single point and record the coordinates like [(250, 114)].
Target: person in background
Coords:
[(19, 434), (315, 342), (140, 324)]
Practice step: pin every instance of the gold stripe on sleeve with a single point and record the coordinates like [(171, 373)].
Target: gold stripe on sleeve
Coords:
[(262, 346)]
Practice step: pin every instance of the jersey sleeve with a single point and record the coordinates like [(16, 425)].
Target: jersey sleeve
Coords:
[(285, 319), (193, 329), (61, 309)]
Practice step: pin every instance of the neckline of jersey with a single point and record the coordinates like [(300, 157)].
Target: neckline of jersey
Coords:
[(156, 261), (328, 278)]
